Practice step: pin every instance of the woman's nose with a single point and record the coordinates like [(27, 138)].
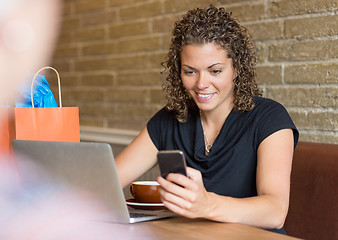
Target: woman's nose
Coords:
[(202, 81)]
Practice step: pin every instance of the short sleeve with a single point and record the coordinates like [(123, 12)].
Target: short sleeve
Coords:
[(275, 117)]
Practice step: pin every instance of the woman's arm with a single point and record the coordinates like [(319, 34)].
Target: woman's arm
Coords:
[(138, 157), (267, 210)]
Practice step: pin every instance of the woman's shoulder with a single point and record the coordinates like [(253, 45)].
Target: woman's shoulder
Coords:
[(170, 115), (162, 118), (267, 105), (164, 113), (272, 116), (270, 112), (265, 109), (264, 102)]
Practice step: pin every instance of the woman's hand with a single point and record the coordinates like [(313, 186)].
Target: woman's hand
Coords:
[(185, 196)]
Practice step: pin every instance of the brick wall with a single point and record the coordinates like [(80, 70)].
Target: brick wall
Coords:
[(109, 56)]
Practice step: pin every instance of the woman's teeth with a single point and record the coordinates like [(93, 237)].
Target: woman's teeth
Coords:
[(204, 95)]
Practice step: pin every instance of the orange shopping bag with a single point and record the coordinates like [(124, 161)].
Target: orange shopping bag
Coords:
[(43, 124), (7, 130), (47, 124)]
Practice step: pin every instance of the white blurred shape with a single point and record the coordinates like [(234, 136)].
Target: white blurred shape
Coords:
[(18, 35), (6, 6)]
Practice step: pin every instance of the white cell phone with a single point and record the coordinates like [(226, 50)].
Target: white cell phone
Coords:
[(171, 161)]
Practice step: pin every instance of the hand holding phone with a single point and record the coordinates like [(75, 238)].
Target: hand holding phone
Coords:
[(171, 161)]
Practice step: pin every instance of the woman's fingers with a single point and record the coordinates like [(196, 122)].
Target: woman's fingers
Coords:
[(194, 174), (184, 195), (174, 189)]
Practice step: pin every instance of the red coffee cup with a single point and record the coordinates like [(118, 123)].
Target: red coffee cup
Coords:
[(145, 191)]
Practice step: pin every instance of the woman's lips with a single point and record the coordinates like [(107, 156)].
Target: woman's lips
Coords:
[(204, 96)]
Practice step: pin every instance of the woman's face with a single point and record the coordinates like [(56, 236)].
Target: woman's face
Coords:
[(207, 74)]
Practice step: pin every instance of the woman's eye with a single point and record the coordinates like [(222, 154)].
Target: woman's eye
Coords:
[(215, 72), (188, 72)]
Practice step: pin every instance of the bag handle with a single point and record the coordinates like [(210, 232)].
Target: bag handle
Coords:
[(59, 85)]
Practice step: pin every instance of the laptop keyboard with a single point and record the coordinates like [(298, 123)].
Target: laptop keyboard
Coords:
[(138, 215)]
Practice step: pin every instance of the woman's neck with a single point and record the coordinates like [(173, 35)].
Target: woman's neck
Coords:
[(214, 120), (212, 124)]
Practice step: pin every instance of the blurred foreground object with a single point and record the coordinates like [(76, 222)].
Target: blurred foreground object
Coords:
[(28, 32), (32, 209)]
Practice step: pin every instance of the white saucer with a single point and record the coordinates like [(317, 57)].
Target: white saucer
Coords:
[(151, 206)]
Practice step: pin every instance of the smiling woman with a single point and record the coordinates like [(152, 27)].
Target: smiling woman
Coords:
[(226, 34), (208, 76), (238, 145)]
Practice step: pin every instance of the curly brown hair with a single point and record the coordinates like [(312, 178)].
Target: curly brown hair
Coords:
[(211, 25)]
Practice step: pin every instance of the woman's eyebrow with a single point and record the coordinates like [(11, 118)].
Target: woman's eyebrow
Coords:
[(214, 65), (184, 65)]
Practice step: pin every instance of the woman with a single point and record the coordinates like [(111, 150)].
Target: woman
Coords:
[(238, 145)]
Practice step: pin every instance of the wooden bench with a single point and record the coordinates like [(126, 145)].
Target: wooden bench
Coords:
[(313, 211)]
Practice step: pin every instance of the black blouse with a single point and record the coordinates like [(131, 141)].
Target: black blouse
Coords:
[(230, 168)]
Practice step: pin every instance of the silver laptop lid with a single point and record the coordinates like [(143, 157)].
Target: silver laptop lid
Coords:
[(84, 165)]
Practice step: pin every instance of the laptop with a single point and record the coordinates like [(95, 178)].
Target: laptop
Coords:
[(84, 165)]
